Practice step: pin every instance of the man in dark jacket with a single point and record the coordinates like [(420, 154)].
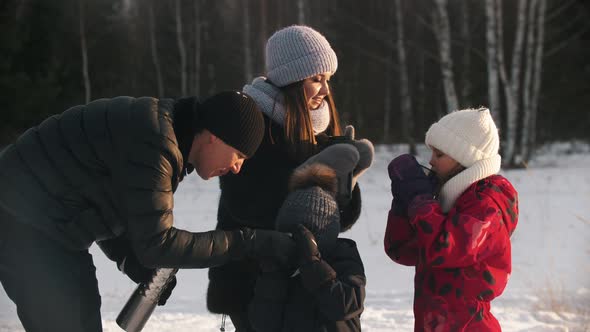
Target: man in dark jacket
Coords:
[(105, 172)]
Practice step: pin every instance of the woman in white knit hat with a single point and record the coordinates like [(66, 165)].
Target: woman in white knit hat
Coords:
[(454, 227), (300, 115)]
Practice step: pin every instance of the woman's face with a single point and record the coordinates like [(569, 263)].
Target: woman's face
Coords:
[(316, 89), (443, 165)]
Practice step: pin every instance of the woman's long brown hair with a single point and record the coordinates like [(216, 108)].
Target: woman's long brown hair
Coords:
[(298, 127)]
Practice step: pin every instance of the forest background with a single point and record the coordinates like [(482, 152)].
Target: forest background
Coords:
[(402, 63)]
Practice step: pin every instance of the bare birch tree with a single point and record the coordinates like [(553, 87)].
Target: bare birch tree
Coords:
[(84, 51), (492, 64), (511, 84), (263, 32), (181, 48), (532, 77), (248, 63), (443, 35), (466, 57), (197, 59), (154, 49), (542, 11), (211, 73), (528, 78), (301, 11), (404, 85), (387, 97)]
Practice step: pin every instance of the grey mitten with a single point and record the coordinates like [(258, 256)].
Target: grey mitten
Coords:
[(342, 158), (366, 153)]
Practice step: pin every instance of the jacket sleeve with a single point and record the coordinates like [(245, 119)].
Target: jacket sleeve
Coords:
[(339, 290), (147, 174), (400, 240), (149, 197), (461, 238), (267, 306)]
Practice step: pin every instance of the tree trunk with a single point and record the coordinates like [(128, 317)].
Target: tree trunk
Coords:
[(211, 73), (421, 88), (511, 85), (405, 100), (492, 64), (263, 33), (84, 51), (197, 72), (527, 85), (387, 103), (248, 71), (181, 48), (154, 49), (443, 34), (516, 77), (301, 19), (279, 15), (538, 71), (466, 59)]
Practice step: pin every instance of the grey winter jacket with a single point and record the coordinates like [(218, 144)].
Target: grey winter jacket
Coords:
[(101, 170)]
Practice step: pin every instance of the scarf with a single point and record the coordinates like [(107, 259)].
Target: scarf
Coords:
[(271, 102), (456, 185)]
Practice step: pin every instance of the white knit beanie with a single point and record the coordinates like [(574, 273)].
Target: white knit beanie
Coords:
[(297, 52), (471, 138), (467, 136)]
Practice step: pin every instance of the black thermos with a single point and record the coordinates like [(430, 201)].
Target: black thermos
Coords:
[(143, 301)]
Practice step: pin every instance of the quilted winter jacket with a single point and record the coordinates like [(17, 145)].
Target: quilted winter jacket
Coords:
[(104, 170), (462, 259)]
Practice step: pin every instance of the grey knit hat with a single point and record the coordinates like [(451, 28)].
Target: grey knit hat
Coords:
[(297, 52), (314, 208)]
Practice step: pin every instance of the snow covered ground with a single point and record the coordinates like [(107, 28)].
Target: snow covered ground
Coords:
[(549, 290)]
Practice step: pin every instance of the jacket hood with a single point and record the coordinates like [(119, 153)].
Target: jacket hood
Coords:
[(505, 197)]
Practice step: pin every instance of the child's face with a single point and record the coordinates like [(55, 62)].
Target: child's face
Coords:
[(443, 165)]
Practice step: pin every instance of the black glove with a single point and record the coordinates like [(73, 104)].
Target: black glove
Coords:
[(167, 291), (307, 247), (263, 244), (130, 266)]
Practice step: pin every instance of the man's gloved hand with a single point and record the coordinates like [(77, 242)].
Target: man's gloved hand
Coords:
[(408, 180), (130, 266), (307, 247), (141, 274), (167, 291), (366, 153), (264, 244)]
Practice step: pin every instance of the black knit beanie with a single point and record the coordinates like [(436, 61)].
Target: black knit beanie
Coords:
[(235, 118)]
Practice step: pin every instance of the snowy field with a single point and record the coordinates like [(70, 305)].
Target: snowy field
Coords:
[(549, 290)]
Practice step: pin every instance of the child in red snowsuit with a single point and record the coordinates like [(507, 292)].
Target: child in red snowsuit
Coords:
[(454, 227)]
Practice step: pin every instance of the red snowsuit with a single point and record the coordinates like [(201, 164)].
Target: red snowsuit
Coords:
[(462, 258)]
